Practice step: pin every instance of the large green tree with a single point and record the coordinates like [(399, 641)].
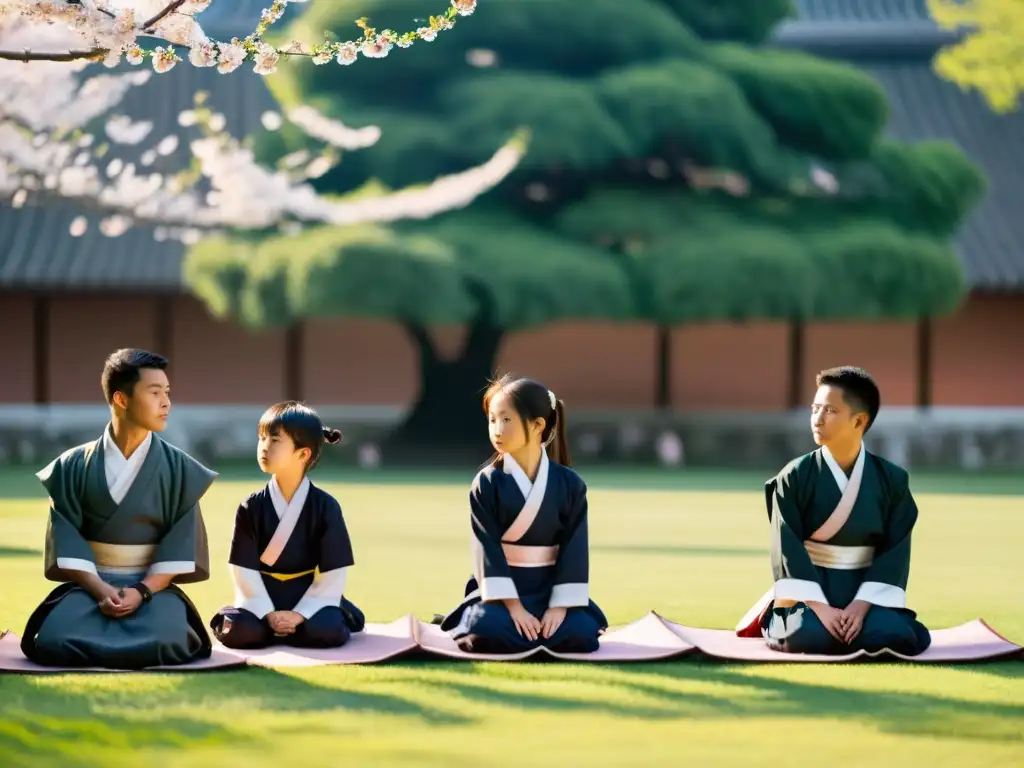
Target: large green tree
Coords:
[(678, 171)]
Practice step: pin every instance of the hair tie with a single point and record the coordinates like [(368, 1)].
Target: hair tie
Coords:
[(553, 399)]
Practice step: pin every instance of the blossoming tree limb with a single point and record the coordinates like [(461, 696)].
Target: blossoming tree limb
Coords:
[(52, 113), (106, 30)]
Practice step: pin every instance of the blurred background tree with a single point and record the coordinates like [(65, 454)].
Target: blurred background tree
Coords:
[(678, 171), (989, 58)]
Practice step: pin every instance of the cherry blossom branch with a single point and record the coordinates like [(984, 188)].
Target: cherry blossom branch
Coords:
[(187, 214), (50, 148), (114, 34), (47, 153), (94, 54), (171, 8)]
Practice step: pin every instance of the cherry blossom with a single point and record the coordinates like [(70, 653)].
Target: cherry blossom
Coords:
[(109, 30), (51, 148)]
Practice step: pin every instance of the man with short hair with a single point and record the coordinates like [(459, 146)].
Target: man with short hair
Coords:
[(125, 528), (841, 520)]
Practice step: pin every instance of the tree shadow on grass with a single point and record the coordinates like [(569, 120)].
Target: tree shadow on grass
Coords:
[(892, 712), (1013, 668), (666, 691), (77, 728), (274, 691), (84, 724), (20, 552), (482, 691)]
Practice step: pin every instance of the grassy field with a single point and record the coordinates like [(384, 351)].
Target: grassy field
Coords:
[(691, 546)]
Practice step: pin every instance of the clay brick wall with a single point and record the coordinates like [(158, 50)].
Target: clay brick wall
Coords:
[(977, 356)]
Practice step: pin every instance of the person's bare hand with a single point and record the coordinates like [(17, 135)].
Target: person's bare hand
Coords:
[(833, 619), (855, 614), (284, 622), (527, 624), (130, 602), (110, 604), (551, 621)]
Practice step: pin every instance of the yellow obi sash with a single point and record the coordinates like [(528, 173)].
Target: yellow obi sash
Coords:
[(521, 556), (288, 576), (122, 558), (839, 558)]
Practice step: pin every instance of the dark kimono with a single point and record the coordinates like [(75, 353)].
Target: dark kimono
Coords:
[(122, 519), (836, 539), (289, 556), (529, 541)]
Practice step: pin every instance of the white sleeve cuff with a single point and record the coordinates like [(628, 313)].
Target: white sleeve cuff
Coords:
[(76, 564), (800, 590), (885, 595), (570, 596), (172, 567), (325, 591), (498, 588), (250, 592)]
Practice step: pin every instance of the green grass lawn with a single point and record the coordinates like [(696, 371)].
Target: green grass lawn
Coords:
[(692, 546)]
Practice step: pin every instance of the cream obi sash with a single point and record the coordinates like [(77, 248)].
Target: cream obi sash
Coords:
[(839, 558), (520, 556), (122, 558)]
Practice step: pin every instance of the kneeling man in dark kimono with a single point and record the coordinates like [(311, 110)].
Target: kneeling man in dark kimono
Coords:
[(841, 520), (124, 530)]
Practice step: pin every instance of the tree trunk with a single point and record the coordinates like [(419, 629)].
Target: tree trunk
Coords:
[(447, 423)]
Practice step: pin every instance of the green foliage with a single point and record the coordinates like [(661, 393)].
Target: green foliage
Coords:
[(426, 277), (873, 269), (820, 107), (746, 21), (690, 104), (732, 271), (534, 276), (704, 257), (641, 115), (327, 271), (930, 183), (216, 275), (631, 218), (569, 126), (523, 35)]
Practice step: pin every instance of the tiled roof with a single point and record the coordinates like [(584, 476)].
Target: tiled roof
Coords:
[(922, 106), (863, 10), (36, 250), (859, 29), (36, 247), (895, 41)]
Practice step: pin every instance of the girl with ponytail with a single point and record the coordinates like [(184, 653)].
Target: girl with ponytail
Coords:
[(528, 514), (290, 551)]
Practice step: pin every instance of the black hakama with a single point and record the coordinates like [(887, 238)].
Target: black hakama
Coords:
[(289, 556), (529, 542)]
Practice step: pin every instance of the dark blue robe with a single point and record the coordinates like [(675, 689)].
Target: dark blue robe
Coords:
[(529, 541), (312, 545)]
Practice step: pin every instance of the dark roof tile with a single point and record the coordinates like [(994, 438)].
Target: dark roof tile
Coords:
[(36, 247), (922, 106), (863, 10)]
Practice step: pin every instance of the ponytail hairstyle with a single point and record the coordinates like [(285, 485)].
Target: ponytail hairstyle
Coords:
[(532, 400), (302, 425)]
